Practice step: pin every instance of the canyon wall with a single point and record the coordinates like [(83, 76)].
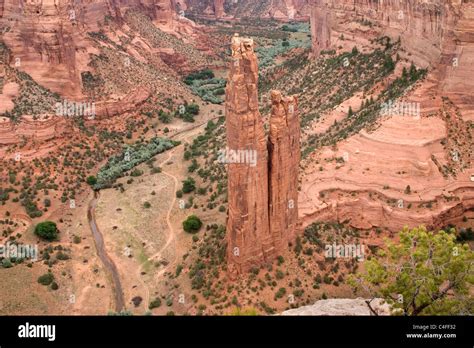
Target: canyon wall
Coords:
[(320, 27), (48, 39), (435, 33), (262, 195), (285, 10)]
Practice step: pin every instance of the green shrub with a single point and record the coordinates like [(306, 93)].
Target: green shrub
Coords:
[(6, 263), (47, 230), (189, 185), (155, 303), (91, 180), (46, 279), (192, 224)]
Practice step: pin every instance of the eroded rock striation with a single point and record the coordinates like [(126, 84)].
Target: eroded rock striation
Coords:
[(284, 158), (283, 10), (434, 33), (249, 239), (49, 39), (320, 27), (262, 194)]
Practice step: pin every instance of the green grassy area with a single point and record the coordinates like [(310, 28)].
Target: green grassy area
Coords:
[(207, 86), (130, 157)]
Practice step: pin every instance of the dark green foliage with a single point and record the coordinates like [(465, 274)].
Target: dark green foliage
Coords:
[(46, 279), (200, 75), (192, 224), (189, 185), (47, 230), (155, 303)]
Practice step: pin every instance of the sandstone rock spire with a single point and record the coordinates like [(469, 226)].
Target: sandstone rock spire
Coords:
[(284, 158), (248, 235), (263, 195)]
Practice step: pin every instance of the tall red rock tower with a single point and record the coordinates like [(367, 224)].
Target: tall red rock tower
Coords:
[(284, 159), (248, 236), (320, 26), (262, 194)]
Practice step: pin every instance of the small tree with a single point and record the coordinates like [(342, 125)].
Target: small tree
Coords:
[(427, 273), (408, 190), (389, 64), (405, 73), (47, 230), (46, 279), (413, 72), (192, 224), (189, 185), (155, 303), (192, 109), (91, 180)]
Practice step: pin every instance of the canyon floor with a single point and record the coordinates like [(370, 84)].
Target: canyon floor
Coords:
[(360, 182)]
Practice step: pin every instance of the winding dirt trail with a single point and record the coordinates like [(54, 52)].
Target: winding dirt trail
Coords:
[(184, 135), (171, 234), (99, 240)]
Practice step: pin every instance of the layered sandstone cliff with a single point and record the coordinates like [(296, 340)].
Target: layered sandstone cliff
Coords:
[(44, 131), (320, 27), (262, 195), (285, 10), (402, 151), (434, 33), (49, 39)]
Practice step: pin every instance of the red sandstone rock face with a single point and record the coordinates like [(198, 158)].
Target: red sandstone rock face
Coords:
[(43, 130), (262, 196), (320, 27), (162, 11), (278, 9), (50, 37), (248, 235), (436, 33), (119, 107), (284, 160), (219, 8)]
